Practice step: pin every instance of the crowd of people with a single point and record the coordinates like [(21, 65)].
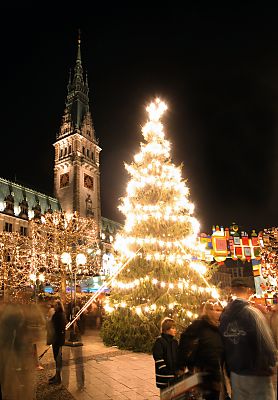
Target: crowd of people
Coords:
[(233, 349)]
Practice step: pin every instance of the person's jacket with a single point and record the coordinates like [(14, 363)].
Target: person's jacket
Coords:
[(201, 347), (57, 331), (165, 354), (249, 346)]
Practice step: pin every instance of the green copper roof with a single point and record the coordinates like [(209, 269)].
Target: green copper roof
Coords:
[(32, 197)]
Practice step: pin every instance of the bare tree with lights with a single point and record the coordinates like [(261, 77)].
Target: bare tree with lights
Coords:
[(164, 276), (58, 233), (29, 263), (14, 262)]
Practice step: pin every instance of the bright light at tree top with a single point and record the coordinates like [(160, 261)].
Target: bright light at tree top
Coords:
[(156, 109), (154, 127)]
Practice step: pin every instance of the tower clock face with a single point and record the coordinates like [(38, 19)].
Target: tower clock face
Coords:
[(64, 180), (88, 181)]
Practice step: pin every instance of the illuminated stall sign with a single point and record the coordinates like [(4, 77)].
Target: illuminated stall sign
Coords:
[(228, 243)]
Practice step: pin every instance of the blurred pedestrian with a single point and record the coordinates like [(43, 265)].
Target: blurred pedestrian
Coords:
[(273, 320), (57, 339), (201, 349), (36, 324), (249, 346), (16, 352)]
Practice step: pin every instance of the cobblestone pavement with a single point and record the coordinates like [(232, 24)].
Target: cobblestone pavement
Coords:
[(94, 371)]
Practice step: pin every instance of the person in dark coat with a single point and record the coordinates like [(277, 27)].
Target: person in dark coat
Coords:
[(165, 354), (250, 351), (56, 337), (201, 349)]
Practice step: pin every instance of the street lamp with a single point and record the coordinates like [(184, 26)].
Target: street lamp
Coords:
[(73, 266)]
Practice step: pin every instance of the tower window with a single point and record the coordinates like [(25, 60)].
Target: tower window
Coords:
[(83, 150), (65, 151), (61, 153), (70, 149), (93, 156), (88, 153), (88, 133)]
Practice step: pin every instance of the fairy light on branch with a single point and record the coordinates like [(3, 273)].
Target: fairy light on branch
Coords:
[(14, 264), (61, 232), (181, 285)]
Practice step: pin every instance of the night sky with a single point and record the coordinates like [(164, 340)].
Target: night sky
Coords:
[(217, 69)]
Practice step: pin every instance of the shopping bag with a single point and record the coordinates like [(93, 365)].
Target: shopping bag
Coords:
[(182, 387)]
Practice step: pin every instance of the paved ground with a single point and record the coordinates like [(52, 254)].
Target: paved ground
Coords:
[(97, 372)]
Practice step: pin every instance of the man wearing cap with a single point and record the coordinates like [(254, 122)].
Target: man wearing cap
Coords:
[(249, 348)]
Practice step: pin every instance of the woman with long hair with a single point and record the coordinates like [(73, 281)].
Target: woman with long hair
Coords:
[(201, 349)]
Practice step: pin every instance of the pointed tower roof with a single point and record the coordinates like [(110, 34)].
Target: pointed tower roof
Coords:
[(77, 111), (78, 70), (77, 101)]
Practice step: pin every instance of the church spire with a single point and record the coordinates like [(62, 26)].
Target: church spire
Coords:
[(77, 103), (78, 70)]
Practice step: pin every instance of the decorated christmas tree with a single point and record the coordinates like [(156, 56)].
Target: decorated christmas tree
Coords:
[(164, 275)]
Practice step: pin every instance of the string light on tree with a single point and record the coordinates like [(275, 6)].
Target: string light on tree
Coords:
[(56, 234), (160, 234), (29, 261), (14, 264)]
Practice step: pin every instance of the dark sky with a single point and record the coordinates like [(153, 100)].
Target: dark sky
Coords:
[(217, 68)]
